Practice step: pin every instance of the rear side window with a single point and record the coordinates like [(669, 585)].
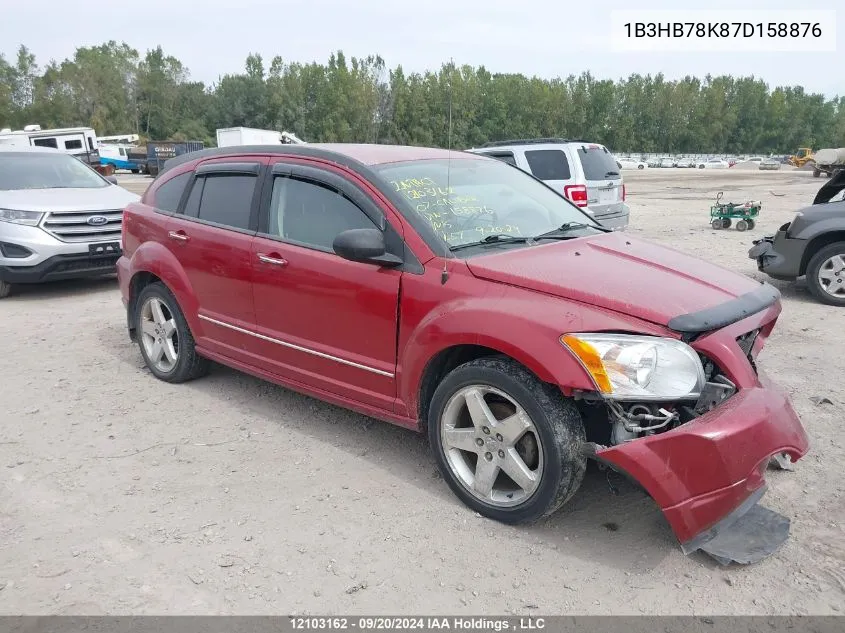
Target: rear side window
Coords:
[(227, 200), (548, 164), (167, 196), (598, 164)]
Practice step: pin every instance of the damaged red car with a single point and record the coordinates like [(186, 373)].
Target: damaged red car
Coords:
[(456, 295)]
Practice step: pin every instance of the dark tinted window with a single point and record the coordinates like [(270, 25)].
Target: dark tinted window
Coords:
[(192, 206), (227, 200), (548, 164), (167, 196), (313, 214), (45, 142), (73, 143), (598, 164), (505, 157)]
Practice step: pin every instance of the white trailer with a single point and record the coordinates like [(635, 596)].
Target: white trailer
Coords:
[(79, 141), (229, 136)]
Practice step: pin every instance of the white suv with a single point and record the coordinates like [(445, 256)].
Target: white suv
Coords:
[(586, 173), (59, 219)]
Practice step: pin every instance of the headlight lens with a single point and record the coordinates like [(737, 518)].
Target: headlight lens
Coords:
[(30, 218), (627, 367)]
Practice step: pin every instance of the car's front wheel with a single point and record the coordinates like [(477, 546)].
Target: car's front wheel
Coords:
[(509, 445), (5, 289), (164, 337), (826, 274)]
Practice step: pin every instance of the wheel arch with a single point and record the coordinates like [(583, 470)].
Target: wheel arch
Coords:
[(817, 243)]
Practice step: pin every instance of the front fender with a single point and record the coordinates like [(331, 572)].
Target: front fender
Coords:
[(523, 325), (153, 257), (819, 227)]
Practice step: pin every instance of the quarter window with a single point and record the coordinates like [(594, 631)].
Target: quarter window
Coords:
[(548, 164), (312, 213), (167, 196)]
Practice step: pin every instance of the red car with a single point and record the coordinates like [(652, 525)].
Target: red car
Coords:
[(453, 294)]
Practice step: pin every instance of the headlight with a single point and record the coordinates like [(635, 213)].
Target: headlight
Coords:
[(30, 218), (627, 367)]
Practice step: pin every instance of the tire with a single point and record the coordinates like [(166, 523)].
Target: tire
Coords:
[(742, 225), (701, 166), (816, 173), (726, 223), (550, 448), (5, 289), (716, 224), (175, 358), (751, 225), (818, 265), (640, 166)]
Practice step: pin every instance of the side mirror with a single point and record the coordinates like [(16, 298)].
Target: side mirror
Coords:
[(366, 246), (112, 179)]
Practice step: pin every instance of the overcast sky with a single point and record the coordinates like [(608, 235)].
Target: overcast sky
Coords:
[(547, 38)]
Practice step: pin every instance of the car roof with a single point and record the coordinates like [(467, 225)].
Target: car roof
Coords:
[(8, 147), (352, 154)]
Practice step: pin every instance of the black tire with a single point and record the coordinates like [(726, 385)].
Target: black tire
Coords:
[(640, 166), (189, 365), (816, 173), (5, 289), (558, 426), (726, 223), (701, 166), (751, 225), (716, 224), (813, 267), (742, 225)]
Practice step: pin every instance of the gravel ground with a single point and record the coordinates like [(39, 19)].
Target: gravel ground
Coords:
[(122, 494)]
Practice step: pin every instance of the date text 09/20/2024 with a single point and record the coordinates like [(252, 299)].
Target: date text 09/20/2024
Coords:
[(422, 623)]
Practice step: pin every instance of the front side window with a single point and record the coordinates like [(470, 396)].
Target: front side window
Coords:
[(46, 170), (312, 213), (466, 200), (227, 199)]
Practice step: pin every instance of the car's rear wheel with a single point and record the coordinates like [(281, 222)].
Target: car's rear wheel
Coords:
[(164, 337), (826, 274), (508, 445), (5, 289)]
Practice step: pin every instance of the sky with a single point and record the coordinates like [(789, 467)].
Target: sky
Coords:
[(546, 38)]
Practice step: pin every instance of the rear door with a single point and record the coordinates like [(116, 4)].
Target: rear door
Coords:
[(603, 179), (212, 239)]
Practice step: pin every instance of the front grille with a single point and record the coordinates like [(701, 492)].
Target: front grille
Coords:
[(91, 263), (75, 226)]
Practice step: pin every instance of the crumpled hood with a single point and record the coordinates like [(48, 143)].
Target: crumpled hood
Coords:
[(58, 200), (619, 272)]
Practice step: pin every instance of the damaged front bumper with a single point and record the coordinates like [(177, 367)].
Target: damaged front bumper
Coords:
[(709, 473), (779, 255)]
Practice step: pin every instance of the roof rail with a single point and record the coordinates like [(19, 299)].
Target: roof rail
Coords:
[(534, 141)]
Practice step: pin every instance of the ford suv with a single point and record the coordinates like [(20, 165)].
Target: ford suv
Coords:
[(586, 173), (449, 293), (59, 219)]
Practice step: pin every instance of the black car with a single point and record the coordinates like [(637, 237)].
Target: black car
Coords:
[(812, 245)]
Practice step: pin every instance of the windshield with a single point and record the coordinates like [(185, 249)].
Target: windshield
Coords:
[(483, 197), (25, 170)]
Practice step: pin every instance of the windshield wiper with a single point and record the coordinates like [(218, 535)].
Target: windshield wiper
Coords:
[(611, 173), (494, 238), (562, 232)]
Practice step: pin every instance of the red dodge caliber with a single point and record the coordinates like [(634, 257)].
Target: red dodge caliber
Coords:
[(454, 294)]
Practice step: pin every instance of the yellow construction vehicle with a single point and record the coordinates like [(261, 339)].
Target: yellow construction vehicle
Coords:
[(803, 156)]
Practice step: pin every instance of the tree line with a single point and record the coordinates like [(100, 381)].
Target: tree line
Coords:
[(116, 90)]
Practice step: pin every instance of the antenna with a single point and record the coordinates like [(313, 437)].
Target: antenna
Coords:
[(444, 276)]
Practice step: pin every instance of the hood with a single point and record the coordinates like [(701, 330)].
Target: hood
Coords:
[(63, 200), (618, 272)]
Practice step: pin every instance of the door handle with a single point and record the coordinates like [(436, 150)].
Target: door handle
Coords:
[(179, 236), (274, 260)]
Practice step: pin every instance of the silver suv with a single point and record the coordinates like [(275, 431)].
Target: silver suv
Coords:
[(59, 219), (586, 173)]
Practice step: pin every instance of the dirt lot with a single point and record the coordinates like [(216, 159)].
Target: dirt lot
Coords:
[(121, 494)]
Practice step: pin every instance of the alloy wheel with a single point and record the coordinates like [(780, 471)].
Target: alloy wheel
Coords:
[(159, 335)]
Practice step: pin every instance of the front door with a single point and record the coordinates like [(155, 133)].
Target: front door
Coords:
[(329, 323)]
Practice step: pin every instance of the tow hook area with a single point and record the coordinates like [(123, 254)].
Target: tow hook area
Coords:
[(746, 536)]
